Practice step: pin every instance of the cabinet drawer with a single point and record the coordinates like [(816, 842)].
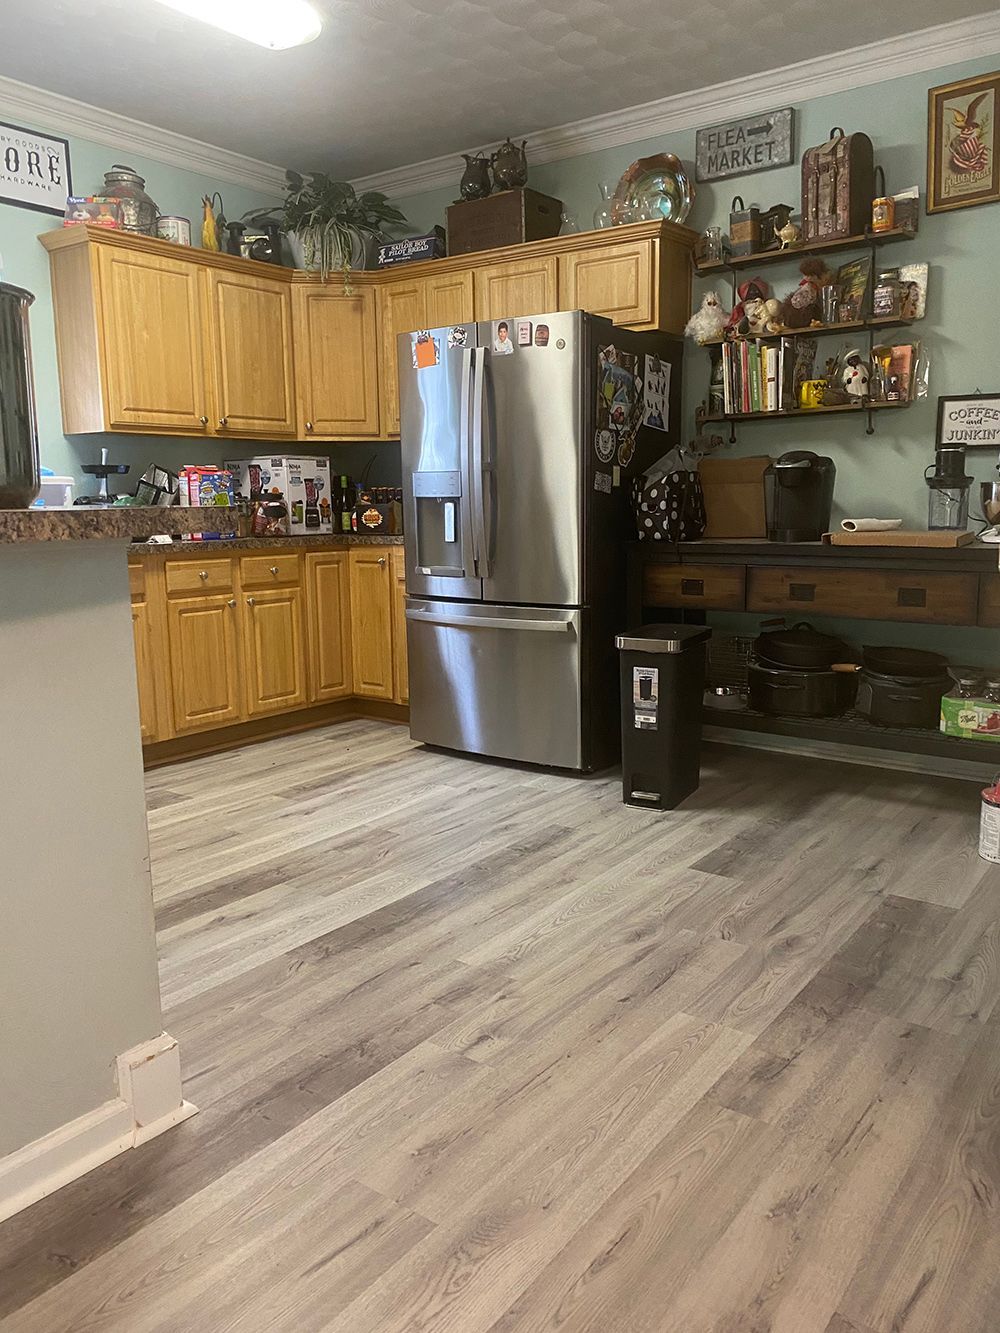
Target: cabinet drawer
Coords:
[(269, 571), (866, 594), (194, 575), (989, 599), (137, 581), (721, 587)]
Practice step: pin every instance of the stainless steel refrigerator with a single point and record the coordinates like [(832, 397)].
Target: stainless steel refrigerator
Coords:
[(515, 487)]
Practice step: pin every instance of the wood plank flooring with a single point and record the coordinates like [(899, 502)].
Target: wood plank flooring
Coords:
[(483, 1050)]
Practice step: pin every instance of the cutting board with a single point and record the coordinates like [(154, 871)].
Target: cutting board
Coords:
[(900, 537)]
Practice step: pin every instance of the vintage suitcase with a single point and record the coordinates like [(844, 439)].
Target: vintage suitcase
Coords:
[(508, 218), (838, 185)]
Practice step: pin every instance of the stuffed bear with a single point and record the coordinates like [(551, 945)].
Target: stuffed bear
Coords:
[(803, 307), (756, 311)]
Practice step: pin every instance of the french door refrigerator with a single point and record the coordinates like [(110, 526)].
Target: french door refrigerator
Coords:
[(516, 474)]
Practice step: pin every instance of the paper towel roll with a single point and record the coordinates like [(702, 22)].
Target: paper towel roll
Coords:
[(870, 524)]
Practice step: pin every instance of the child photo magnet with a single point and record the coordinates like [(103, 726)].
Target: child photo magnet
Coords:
[(503, 344)]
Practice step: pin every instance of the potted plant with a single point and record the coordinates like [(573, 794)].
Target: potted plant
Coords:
[(329, 225)]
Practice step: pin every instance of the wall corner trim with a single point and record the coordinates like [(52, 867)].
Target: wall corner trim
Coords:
[(44, 110), (149, 1102), (877, 62)]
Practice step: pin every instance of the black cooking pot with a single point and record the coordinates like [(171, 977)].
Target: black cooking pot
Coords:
[(781, 691), (901, 701), (801, 648), (914, 663)]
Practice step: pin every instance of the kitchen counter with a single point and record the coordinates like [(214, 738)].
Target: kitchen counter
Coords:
[(337, 541), (89, 523)]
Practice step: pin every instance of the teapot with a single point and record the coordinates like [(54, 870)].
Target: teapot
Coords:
[(510, 166), (475, 182)]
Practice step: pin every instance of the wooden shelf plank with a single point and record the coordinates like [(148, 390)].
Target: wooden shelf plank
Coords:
[(854, 326), (801, 411), (761, 257)]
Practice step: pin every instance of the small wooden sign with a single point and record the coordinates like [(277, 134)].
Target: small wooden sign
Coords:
[(972, 420), (741, 147)]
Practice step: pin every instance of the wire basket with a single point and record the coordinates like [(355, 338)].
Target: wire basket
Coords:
[(729, 655)]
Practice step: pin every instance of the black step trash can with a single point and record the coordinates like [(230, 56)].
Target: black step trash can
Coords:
[(663, 680)]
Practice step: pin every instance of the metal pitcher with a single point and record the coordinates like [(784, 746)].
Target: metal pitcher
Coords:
[(139, 212), (510, 166), (19, 474), (475, 182)]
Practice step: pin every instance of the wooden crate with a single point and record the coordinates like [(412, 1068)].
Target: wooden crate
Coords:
[(508, 218)]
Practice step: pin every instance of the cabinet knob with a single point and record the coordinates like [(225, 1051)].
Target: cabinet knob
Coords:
[(231, 602), (203, 420), (381, 560), (309, 425), (203, 573), (223, 421), (274, 569), (251, 601)]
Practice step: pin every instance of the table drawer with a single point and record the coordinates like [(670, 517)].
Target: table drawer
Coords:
[(270, 571), (866, 594), (195, 575), (137, 581), (719, 587)]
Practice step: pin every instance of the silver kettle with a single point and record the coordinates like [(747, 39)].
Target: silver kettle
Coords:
[(19, 473)]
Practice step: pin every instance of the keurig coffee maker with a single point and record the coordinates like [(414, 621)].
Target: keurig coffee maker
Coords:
[(948, 488), (798, 496)]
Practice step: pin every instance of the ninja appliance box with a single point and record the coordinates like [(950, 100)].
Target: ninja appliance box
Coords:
[(303, 482)]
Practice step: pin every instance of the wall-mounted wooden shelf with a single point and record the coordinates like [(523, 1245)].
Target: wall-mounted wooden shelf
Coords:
[(802, 412), (761, 257), (817, 330)]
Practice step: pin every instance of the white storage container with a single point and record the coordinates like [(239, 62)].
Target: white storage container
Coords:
[(56, 492)]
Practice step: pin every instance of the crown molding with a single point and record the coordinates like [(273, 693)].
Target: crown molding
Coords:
[(930, 48), (66, 116)]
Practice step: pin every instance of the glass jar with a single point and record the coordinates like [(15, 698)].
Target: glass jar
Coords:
[(139, 212), (602, 214), (712, 245), (569, 225), (886, 296), (992, 694)]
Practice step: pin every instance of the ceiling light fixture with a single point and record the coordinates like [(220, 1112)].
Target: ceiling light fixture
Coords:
[(277, 24)]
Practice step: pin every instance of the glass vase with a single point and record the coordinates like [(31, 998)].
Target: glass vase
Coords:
[(602, 214), (570, 226)]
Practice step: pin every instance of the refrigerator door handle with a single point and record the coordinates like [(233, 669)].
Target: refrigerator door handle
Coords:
[(465, 430), (492, 622), (477, 463)]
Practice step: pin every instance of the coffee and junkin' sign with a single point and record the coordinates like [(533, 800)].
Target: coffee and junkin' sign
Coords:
[(972, 420), (34, 169)]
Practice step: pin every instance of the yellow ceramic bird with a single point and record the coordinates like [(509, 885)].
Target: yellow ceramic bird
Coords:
[(209, 230)]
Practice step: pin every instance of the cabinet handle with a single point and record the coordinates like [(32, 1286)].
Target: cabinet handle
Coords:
[(203, 420), (274, 569), (223, 421), (203, 573), (381, 561), (251, 601), (802, 592), (693, 587), (911, 597), (309, 425), (231, 602)]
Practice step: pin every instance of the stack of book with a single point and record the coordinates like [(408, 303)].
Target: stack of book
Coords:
[(764, 376)]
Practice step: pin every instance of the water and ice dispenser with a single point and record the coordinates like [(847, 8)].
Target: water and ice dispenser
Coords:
[(443, 546)]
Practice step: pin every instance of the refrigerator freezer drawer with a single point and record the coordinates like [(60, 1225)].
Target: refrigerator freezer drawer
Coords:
[(503, 681)]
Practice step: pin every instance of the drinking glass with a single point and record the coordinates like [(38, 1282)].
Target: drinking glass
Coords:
[(602, 214)]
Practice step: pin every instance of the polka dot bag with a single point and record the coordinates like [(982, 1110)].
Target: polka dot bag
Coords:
[(670, 505)]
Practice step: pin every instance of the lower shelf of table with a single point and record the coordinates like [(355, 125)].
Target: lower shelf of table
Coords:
[(853, 729)]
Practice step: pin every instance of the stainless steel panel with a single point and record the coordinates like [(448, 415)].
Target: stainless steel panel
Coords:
[(435, 422), (532, 463), (503, 681)]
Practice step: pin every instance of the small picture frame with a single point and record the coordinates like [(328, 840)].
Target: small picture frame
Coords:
[(970, 419), (963, 168)]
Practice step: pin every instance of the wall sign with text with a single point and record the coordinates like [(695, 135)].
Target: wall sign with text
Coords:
[(972, 420), (740, 147), (34, 170)]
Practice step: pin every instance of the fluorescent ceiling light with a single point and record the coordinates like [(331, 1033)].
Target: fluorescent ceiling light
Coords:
[(274, 23)]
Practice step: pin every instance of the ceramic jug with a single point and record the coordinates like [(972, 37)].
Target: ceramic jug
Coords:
[(510, 166), (475, 182)]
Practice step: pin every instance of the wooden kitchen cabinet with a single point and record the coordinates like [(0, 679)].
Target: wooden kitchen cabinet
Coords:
[(400, 666), (616, 281), (336, 362), (273, 634), (203, 651), (371, 621), (914, 596), (402, 308), (518, 287), (449, 299), (250, 327), (328, 625)]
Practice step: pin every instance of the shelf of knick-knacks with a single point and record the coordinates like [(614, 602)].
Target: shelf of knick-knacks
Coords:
[(705, 269), (865, 405), (849, 326)]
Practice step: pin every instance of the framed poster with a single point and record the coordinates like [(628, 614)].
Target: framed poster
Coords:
[(962, 163), (972, 420), (34, 170)]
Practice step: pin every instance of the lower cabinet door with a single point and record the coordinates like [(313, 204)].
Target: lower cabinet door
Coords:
[(328, 616), (142, 631), (274, 650), (204, 662), (371, 621)]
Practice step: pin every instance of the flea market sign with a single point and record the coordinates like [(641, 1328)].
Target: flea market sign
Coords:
[(34, 170), (740, 147)]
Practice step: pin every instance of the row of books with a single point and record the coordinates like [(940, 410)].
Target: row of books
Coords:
[(762, 376)]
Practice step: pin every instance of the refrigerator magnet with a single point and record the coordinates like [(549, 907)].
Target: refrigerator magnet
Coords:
[(524, 333), (602, 481), (604, 444), (458, 337), (426, 352), (503, 344), (542, 335), (656, 394), (625, 451)]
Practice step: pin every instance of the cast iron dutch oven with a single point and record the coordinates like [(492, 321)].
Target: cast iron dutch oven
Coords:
[(901, 701), (907, 663), (801, 648), (811, 693)]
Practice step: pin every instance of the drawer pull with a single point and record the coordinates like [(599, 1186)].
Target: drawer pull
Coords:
[(274, 569), (693, 587), (802, 592), (251, 601), (231, 602), (203, 573), (911, 597)]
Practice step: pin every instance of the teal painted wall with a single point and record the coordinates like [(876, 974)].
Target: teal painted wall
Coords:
[(25, 263), (879, 475)]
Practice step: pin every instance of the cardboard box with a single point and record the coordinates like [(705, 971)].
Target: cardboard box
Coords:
[(975, 719), (734, 496), (430, 246), (508, 218), (303, 482)]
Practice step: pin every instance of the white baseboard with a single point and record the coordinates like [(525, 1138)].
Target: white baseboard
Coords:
[(149, 1101)]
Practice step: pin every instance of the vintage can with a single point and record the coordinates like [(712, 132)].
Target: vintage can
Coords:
[(175, 229), (883, 213), (744, 227), (989, 825)]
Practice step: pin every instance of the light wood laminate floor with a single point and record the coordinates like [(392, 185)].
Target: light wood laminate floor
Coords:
[(483, 1050)]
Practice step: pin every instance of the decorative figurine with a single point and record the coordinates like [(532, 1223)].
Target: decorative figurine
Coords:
[(475, 182), (854, 374), (804, 306), (756, 313), (510, 166), (789, 235), (707, 324)]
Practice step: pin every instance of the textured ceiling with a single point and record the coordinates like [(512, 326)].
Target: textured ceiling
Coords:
[(390, 82)]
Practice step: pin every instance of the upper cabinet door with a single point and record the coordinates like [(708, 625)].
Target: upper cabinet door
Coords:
[(521, 287), (611, 280), (449, 299), (402, 309), (153, 350), (335, 363), (251, 322)]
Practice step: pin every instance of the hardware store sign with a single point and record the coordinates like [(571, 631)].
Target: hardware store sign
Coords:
[(34, 170)]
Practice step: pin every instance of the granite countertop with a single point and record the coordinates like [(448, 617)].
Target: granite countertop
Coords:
[(91, 523), (337, 541)]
